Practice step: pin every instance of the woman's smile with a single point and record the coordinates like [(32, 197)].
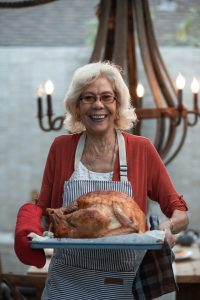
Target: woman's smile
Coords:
[(98, 118)]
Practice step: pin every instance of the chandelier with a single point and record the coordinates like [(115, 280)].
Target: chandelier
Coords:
[(124, 25), (120, 23)]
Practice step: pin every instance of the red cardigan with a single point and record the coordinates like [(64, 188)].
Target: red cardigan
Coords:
[(146, 172)]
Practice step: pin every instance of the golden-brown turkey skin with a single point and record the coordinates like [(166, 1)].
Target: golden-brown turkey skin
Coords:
[(97, 214)]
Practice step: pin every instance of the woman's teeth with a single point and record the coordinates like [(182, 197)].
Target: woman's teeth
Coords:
[(98, 117)]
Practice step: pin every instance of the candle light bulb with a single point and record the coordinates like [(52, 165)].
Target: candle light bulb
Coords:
[(49, 87), (140, 90), (180, 81), (40, 91), (195, 86)]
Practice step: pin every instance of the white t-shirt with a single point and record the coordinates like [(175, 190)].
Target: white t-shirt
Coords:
[(82, 173)]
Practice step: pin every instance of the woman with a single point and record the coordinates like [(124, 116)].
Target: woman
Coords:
[(98, 155)]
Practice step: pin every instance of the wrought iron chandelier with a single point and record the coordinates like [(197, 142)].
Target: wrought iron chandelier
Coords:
[(122, 26)]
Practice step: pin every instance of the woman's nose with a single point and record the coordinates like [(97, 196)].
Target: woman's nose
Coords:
[(98, 103)]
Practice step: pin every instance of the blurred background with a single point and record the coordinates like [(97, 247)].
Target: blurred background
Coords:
[(48, 42)]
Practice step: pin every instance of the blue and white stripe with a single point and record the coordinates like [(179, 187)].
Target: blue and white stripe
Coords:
[(83, 284), (74, 189)]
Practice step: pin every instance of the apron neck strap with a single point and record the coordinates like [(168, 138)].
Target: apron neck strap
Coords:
[(122, 154), (79, 150), (123, 168)]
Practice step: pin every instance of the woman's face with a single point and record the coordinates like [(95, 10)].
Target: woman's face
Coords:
[(98, 117)]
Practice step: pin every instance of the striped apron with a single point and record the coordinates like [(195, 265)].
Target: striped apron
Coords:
[(93, 274)]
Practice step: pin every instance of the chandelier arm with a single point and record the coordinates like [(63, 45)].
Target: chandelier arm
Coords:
[(131, 57), (195, 120), (169, 139), (119, 55), (160, 134), (104, 9), (142, 38), (181, 143), (153, 37), (164, 113), (56, 120), (109, 45), (153, 53), (23, 4), (42, 126), (137, 130)]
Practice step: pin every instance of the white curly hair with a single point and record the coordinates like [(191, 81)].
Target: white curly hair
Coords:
[(84, 76)]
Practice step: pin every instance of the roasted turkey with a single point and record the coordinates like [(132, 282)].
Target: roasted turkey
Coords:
[(97, 214)]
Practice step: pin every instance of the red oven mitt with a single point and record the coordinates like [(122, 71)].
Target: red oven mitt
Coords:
[(29, 220)]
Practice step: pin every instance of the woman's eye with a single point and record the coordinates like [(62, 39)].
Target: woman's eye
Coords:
[(89, 98), (107, 98)]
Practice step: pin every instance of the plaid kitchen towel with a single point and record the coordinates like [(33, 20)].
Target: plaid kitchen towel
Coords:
[(155, 276)]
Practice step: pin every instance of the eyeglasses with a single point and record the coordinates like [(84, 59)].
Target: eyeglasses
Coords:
[(104, 98)]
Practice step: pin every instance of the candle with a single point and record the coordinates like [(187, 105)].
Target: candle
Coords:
[(195, 90), (49, 88), (140, 91), (39, 100), (180, 83)]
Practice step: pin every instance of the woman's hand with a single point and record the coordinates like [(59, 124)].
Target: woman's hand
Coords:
[(177, 223), (170, 238)]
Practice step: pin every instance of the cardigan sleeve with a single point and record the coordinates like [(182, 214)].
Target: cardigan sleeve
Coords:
[(44, 199), (159, 184)]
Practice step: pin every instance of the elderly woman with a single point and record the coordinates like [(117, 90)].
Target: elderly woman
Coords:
[(97, 155)]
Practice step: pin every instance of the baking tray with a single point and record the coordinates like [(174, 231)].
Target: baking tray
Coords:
[(129, 241)]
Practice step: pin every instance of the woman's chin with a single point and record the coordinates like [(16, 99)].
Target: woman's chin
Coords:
[(99, 128)]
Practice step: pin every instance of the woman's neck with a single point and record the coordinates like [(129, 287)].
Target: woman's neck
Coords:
[(100, 142), (100, 151)]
